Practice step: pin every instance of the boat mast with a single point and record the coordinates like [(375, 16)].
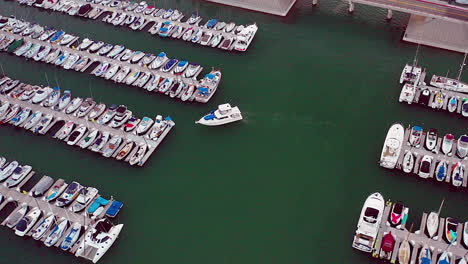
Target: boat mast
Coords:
[(415, 60), (440, 208), (461, 67)]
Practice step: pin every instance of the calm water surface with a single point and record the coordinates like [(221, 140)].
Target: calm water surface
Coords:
[(318, 90)]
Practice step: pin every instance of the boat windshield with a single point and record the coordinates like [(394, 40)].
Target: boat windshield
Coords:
[(398, 209), (425, 166), (370, 215)]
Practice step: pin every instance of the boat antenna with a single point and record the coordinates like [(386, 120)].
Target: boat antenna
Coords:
[(415, 60), (440, 208), (47, 79), (461, 67)]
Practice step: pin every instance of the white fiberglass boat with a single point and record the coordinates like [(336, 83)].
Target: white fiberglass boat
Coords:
[(392, 146), (408, 162), (56, 233), (462, 146), (449, 84), (84, 198), (431, 139), (447, 144), (71, 237), (43, 227), (223, 115), (432, 224), (458, 173), (415, 137), (425, 167), (410, 74), (407, 93), (369, 222), (27, 222)]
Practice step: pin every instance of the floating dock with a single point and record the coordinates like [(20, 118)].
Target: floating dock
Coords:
[(23, 198), (126, 136)]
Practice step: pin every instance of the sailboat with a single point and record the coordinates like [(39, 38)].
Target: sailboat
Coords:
[(411, 73), (449, 83), (425, 255), (432, 223)]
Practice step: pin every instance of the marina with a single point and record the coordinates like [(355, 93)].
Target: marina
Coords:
[(133, 141), (161, 22), (397, 243), (64, 226), (172, 77)]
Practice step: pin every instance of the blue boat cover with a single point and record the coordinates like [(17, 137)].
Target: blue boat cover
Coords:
[(182, 63), (99, 201), (425, 260), (167, 23), (202, 89), (444, 261), (417, 128), (211, 23), (114, 209), (209, 117), (168, 118), (56, 88), (209, 76), (163, 29), (162, 54)]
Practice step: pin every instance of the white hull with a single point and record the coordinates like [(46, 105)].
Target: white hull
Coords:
[(368, 224), (392, 146), (432, 224)]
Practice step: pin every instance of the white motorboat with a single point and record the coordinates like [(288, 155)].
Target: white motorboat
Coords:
[(19, 119), (415, 137), (144, 125), (27, 222), (407, 93), (17, 176), (29, 92), (425, 167), (447, 144), (50, 58), (115, 51), (74, 104), (111, 146), (155, 28), (392, 146), (119, 19), (411, 74), (438, 102), (41, 95), (53, 98), (141, 81), (465, 234), (13, 111), (126, 55), (132, 77), (159, 61), (101, 69), (180, 67), (431, 139), (196, 37), (42, 53), (194, 18), (96, 46), (64, 100), (208, 86), (176, 15), (71, 192), (13, 219), (105, 49), (432, 224), (85, 108), (84, 198), (43, 227), (188, 34), (100, 141), (33, 51), (121, 116), (131, 124), (112, 71), (125, 150), (89, 139), (81, 63), (139, 154), (108, 115), (464, 108), (192, 69), (6, 171), (41, 187), (2, 162), (165, 85), (100, 238), (408, 162), (369, 222), (217, 38), (462, 146), (157, 129), (458, 172), (441, 171), (223, 115), (206, 38), (120, 76), (85, 44), (56, 233), (65, 130), (245, 37), (42, 124), (147, 59), (96, 111), (71, 237), (444, 258), (76, 135), (67, 39), (70, 63)]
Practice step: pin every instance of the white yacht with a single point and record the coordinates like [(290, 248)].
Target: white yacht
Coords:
[(407, 93), (96, 242), (369, 222), (245, 37), (223, 115), (392, 146)]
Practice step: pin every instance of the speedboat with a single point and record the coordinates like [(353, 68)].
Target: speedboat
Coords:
[(139, 154), (398, 214), (220, 25), (217, 38), (447, 144), (168, 14), (84, 198), (452, 104), (196, 37), (12, 220), (121, 116), (70, 194), (62, 58), (96, 46), (115, 51), (369, 222), (176, 15), (388, 243), (407, 93), (438, 102), (166, 29), (223, 115), (415, 136), (101, 69), (180, 68), (451, 226), (56, 233), (42, 124), (96, 111), (41, 187), (177, 32), (194, 18), (53, 98), (206, 38), (108, 115), (444, 258), (105, 49), (159, 61), (43, 227), (63, 101), (131, 124), (132, 77), (464, 108), (432, 224), (187, 92), (431, 139), (245, 37), (111, 146), (425, 255), (85, 44), (147, 59), (408, 162), (157, 129), (141, 81), (42, 53), (21, 117), (458, 172), (74, 104), (67, 39), (462, 146), (425, 167), (120, 76), (125, 150), (144, 125), (65, 130), (98, 240), (6, 171), (27, 222), (17, 176), (165, 85), (441, 171), (404, 252), (41, 95), (76, 135), (126, 55), (89, 139), (100, 141), (80, 64), (85, 108), (72, 236), (112, 71), (188, 34), (72, 59), (192, 69)]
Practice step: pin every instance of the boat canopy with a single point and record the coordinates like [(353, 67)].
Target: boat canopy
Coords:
[(210, 76), (114, 208), (182, 63), (162, 54), (203, 90), (163, 29), (211, 23), (464, 138), (209, 117), (167, 23), (99, 201), (417, 128)]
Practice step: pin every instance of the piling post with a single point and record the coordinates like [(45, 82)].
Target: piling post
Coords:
[(351, 7), (314, 2), (389, 14)]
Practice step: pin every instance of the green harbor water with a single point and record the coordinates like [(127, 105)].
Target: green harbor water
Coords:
[(318, 90)]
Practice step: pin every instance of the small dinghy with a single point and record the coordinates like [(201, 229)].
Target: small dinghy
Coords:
[(452, 104), (447, 144), (458, 174), (223, 115), (432, 224), (431, 139), (441, 171), (415, 137)]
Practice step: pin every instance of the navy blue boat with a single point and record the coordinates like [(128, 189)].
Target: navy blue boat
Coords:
[(169, 65), (211, 23), (114, 209)]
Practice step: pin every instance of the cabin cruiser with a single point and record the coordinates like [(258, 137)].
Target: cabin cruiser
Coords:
[(96, 111), (53, 98), (74, 104), (100, 238), (41, 95), (56, 190), (85, 108), (408, 162), (441, 171), (12, 220), (208, 86), (449, 84), (67, 39), (458, 172), (425, 167), (369, 222), (119, 19), (452, 104), (131, 124), (70, 194), (223, 115), (111, 146), (139, 154), (125, 150), (447, 144), (43, 227), (245, 37), (89, 139), (85, 196), (76, 135), (136, 25), (415, 137), (41, 187), (392, 146), (17, 176), (63, 101), (35, 117), (431, 139), (27, 222), (108, 115), (6, 171), (159, 61), (100, 141), (144, 126), (72, 236), (121, 116), (56, 233), (407, 93), (462, 146)]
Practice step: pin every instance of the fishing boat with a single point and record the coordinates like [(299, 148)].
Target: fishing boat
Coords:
[(415, 136), (404, 252), (180, 67), (41, 187), (71, 237), (462, 146), (27, 222), (70, 194), (96, 111), (451, 225), (223, 115), (425, 255), (398, 214), (425, 167), (431, 139), (76, 135), (131, 124), (458, 172), (100, 141), (125, 150), (64, 100), (464, 108), (74, 104), (12, 220), (388, 243), (43, 227), (447, 144), (6, 171), (441, 171), (452, 104), (159, 61), (369, 222), (56, 233), (84, 199), (98, 240), (432, 224), (139, 154), (89, 139), (53, 98), (245, 37), (444, 258)]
